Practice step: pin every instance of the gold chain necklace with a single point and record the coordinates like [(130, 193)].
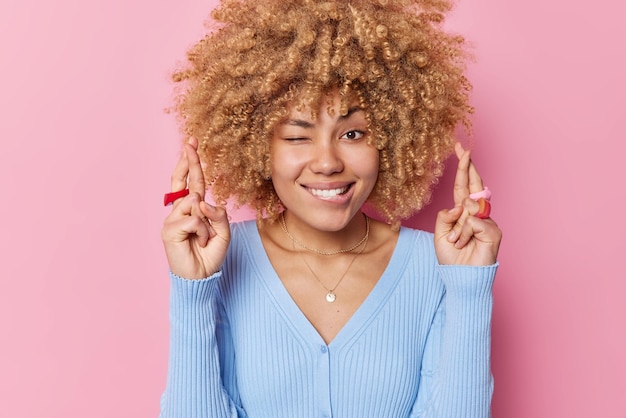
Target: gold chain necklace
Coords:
[(283, 225), (330, 295)]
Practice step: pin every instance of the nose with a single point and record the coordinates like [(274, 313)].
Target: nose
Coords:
[(326, 158)]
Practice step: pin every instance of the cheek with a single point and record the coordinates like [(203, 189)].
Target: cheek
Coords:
[(277, 160), (370, 162), (371, 167), (285, 164)]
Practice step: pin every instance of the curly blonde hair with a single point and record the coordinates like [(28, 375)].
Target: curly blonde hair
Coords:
[(391, 56)]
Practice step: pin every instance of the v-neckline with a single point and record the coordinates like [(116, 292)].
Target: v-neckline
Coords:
[(365, 313)]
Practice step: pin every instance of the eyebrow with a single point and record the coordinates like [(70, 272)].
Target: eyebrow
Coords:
[(308, 125)]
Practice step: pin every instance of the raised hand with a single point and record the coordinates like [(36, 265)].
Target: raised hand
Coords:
[(461, 237), (195, 234)]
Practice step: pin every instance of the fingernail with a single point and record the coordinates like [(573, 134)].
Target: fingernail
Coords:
[(451, 236)]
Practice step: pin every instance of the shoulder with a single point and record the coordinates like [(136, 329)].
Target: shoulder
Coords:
[(244, 258), (401, 247), (416, 257), (416, 234), (244, 239), (417, 242), (243, 228)]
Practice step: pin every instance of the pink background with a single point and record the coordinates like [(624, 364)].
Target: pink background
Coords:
[(86, 155)]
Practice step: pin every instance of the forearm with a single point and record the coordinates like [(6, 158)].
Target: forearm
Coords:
[(194, 387), (463, 383)]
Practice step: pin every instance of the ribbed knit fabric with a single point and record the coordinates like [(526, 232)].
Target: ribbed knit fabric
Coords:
[(418, 346)]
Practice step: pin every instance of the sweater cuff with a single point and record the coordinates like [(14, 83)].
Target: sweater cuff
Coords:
[(211, 277), (468, 282), (186, 292)]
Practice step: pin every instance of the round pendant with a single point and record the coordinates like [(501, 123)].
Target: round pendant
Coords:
[(330, 297)]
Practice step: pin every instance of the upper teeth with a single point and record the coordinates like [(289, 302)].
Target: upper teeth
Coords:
[(328, 193)]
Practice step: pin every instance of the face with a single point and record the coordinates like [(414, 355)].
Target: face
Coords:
[(323, 170)]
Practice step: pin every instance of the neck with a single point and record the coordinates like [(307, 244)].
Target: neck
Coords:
[(343, 239)]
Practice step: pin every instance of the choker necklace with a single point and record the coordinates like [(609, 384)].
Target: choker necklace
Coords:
[(324, 252), (330, 293)]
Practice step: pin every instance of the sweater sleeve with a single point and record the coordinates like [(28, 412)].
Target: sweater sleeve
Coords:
[(194, 386), (456, 376)]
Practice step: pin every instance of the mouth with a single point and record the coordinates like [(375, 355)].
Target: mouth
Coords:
[(328, 193)]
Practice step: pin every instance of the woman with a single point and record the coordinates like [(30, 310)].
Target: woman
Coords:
[(307, 111)]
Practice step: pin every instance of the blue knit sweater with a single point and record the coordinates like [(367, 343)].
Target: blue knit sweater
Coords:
[(418, 346)]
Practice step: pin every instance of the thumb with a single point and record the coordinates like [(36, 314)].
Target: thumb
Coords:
[(446, 219), (219, 220)]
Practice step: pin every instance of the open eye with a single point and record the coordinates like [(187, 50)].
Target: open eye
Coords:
[(353, 135)]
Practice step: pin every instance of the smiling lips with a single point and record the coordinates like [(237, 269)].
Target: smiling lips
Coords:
[(329, 193)]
